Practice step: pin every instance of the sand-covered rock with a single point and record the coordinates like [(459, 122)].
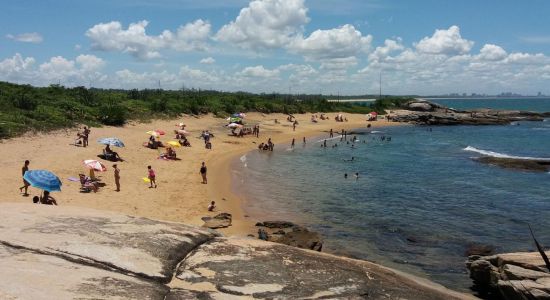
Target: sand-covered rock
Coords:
[(130, 244), (56, 252)]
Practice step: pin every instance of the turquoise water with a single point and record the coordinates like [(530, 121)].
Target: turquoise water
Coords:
[(530, 104), (420, 200)]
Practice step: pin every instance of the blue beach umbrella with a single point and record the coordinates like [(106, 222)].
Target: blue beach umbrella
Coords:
[(44, 180), (111, 141)]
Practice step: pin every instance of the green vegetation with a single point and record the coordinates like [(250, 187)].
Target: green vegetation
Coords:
[(26, 108), (390, 102)]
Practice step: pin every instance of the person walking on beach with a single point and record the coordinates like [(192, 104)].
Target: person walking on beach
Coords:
[(85, 135), (292, 144), (331, 133), (294, 125), (152, 176), (304, 139), (203, 173), (26, 184), (117, 177)]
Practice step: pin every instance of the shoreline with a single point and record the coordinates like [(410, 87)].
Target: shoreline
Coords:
[(242, 223)]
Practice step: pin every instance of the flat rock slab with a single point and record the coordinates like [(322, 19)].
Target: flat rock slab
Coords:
[(28, 275), (143, 247), (230, 268)]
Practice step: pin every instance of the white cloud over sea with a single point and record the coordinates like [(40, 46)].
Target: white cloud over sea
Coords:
[(271, 45)]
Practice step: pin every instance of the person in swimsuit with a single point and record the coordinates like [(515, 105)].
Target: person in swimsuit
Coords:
[(203, 173), (152, 177), (117, 177), (26, 184)]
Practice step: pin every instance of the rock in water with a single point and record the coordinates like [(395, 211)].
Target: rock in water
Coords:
[(222, 220), (535, 165), (288, 233)]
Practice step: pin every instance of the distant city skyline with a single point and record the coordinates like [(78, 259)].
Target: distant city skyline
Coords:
[(426, 47)]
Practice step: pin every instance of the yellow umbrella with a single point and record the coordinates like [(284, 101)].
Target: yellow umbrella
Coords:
[(153, 133), (174, 143)]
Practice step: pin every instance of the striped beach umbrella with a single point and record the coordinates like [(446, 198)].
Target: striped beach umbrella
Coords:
[(44, 180), (94, 165), (111, 141)]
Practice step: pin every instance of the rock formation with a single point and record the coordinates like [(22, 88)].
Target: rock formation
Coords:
[(535, 165), (427, 113), (222, 220), (520, 275), (288, 233), (49, 252)]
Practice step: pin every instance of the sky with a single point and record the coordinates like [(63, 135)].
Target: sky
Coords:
[(423, 47)]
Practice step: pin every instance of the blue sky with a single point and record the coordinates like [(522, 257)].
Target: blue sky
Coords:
[(311, 46)]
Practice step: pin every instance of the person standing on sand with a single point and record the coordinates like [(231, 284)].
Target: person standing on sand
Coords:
[(203, 173), (331, 133), (117, 177), (258, 130), (85, 136), (292, 145), (26, 184), (152, 176), (294, 125), (304, 139)]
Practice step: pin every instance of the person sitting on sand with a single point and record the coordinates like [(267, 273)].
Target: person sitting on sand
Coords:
[(212, 206), (169, 154), (112, 153), (261, 146), (87, 182), (35, 199), (184, 142), (152, 143), (47, 199)]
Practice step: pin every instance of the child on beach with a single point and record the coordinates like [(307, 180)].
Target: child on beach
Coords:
[(152, 177), (25, 183), (212, 206)]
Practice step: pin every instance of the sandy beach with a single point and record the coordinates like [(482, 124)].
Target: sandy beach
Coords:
[(180, 196)]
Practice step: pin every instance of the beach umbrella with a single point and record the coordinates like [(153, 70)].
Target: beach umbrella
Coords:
[(153, 133), (44, 180), (94, 165), (174, 143), (111, 141), (234, 125)]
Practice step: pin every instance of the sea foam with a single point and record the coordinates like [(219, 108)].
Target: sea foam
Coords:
[(501, 155)]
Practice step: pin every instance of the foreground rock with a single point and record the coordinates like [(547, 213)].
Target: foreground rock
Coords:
[(133, 245), (520, 275), (253, 268), (77, 253), (427, 113), (535, 165), (222, 220), (288, 233)]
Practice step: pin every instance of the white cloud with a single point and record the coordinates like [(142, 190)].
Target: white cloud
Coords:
[(207, 61), (258, 72), (90, 63), (342, 42), (447, 42), (135, 41), (265, 24), (492, 52), (382, 52), (31, 37)]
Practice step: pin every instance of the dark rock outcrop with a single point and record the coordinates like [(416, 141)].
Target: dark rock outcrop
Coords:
[(536, 165), (427, 113), (221, 220), (288, 233), (511, 275)]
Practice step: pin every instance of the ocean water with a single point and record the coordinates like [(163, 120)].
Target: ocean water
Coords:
[(420, 200)]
